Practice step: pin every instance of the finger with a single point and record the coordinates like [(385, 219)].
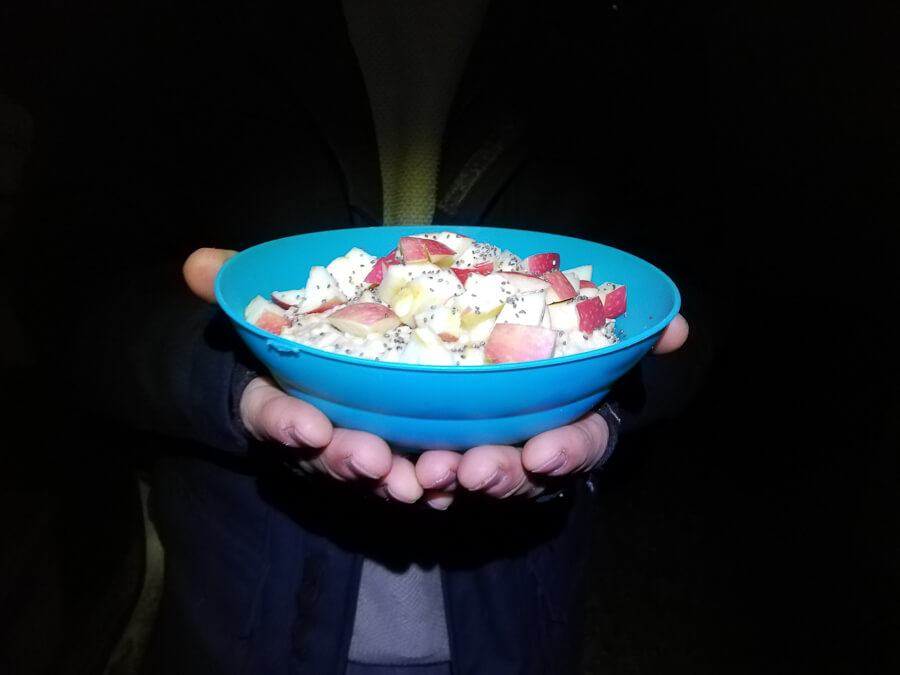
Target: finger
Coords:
[(200, 270), (436, 469), (673, 336), (438, 499), (495, 470), (269, 414), (356, 456), (568, 449), (400, 483)]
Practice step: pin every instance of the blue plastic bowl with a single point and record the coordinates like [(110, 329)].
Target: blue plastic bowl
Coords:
[(416, 407)]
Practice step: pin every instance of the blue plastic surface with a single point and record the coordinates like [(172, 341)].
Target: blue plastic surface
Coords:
[(417, 407)]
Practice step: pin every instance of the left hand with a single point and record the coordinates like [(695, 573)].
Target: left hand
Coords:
[(502, 471)]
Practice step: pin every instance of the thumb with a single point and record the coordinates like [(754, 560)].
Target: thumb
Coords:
[(200, 270)]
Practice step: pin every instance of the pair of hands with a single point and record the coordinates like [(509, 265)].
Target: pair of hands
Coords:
[(437, 476)]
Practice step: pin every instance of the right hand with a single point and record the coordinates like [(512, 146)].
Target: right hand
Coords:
[(271, 415)]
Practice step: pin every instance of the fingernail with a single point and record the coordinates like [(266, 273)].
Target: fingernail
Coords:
[(491, 481), (445, 480), (296, 440), (551, 465), (365, 471), (395, 496), (440, 502)]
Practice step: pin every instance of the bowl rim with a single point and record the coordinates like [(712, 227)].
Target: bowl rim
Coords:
[(290, 346)]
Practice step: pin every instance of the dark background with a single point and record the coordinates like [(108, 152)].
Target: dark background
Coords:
[(757, 532)]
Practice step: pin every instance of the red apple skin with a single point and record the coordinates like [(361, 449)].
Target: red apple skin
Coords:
[(284, 298), (462, 273), (591, 315), (584, 283), (376, 274), (561, 288), (412, 249), (541, 263), (272, 322), (615, 302), (514, 343), (485, 268), (365, 317), (417, 249), (328, 304)]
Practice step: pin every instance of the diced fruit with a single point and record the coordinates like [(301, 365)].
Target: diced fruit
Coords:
[(560, 287), (477, 254), (541, 263), (426, 348), (397, 276), (588, 289), (322, 292), (525, 308), (423, 292), (458, 242), (350, 270), (582, 273), (524, 283), (364, 318), (443, 320), (482, 301), (590, 315), (416, 249), (485, 267), (563, 316), (614, 299), (376, 274), (265, 314), (514, 343), (462, 273), (288, 299)]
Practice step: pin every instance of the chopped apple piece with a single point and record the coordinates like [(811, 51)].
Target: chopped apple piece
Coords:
[(563, 316), (425, 291), (477, 254), (588, 289), (590, 315), (484, 269), (426, 347), (322, 291), (514, 343), (524, 283), (376, 274), (416, 249), (541, 263), (458, 242), (397, 276), (364, 318), (560, 287), (351, 269), (265, 314), (443, 320), (288, 299), (524, 308), (614, 299), (582, 273)]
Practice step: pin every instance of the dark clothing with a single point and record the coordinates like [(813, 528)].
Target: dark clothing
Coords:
[(189, 128)]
